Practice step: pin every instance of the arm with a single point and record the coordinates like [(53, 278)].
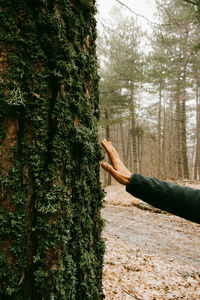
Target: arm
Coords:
[(173, 198), (181, 201)]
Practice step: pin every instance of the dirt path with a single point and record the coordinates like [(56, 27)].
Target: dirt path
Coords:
[(149, 255)]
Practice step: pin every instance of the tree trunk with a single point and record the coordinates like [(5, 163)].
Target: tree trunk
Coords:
[(133, 129), (179, 156), (159, 131), (124, 156), (197, 154), (109, 180), (170, 145), (50, 234), (183, 124), (139, 151), (184, 141), (128, 149)]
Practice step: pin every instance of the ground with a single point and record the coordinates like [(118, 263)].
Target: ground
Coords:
[(149, 254)]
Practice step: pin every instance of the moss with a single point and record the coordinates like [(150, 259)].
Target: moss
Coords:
[(54, 249)]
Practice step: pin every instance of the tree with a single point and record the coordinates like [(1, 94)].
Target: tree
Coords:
[(196, 82), (121, 74), (156, 70), (176, 38), (51, 245)]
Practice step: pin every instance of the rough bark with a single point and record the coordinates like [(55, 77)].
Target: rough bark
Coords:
[(50, 235)]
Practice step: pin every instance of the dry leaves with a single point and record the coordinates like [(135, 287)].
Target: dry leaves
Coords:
[(130, 273)]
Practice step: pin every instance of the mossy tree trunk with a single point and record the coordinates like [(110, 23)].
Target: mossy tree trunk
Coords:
[(50, 194)]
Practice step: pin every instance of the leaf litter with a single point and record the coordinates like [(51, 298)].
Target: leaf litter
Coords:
[(149, 256)]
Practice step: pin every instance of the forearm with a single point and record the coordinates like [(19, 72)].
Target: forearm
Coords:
[(181, 201)]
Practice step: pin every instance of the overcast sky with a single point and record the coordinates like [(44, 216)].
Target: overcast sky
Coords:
[(143, 7)]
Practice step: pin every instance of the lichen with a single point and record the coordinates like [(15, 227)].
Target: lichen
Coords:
[(50, 220)]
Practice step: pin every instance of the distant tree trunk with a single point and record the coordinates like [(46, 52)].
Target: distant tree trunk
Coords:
[(183, 124), (159, 131), (170, 145), (197, 152), (179, 156), (163, 154), (108, 176), (128, 150), (139, 151), (183, 141), (124, 156), (50, 200), (133, 129)]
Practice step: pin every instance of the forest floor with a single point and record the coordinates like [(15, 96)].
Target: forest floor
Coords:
[(150, 255)]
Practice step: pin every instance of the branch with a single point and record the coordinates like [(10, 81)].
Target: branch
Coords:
[(141, 16), (194, 3), (134, 296), (136, 14)]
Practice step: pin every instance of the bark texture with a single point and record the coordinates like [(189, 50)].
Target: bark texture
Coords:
[(50, 194)]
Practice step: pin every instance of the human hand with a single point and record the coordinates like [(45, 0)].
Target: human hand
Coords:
[(118, 169)]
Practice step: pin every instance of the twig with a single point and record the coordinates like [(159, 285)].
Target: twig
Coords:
[(135, 296), (194, 3), (154, 23), (136, 14)]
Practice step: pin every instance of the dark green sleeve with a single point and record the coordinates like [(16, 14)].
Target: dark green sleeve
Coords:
[(178, 200)]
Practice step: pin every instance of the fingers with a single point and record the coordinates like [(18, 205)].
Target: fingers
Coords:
[(112, 153), (123, 179), (107, 167), (118, 170), (106, 144)]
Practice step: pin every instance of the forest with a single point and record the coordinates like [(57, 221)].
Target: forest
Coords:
[(67, 232), (149, 90), (150, 111)]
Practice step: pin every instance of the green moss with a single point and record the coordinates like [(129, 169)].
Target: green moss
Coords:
[(55, 229)]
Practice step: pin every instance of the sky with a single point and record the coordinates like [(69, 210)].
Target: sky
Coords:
[(146, 8)]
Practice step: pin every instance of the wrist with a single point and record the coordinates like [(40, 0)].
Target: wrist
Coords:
[(128, 179)]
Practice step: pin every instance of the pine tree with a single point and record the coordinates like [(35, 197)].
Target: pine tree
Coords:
[(177, 43), (121, 74)]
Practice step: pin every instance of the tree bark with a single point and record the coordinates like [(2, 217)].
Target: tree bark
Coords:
[(50, 200)]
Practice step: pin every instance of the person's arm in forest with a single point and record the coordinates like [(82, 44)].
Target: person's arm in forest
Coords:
[(176, 199)]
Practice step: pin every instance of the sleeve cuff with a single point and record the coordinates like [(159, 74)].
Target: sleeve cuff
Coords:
[(130, 184)]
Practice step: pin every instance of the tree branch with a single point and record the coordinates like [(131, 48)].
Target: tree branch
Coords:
[(136, 14), (141, 16), (194, 3)]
